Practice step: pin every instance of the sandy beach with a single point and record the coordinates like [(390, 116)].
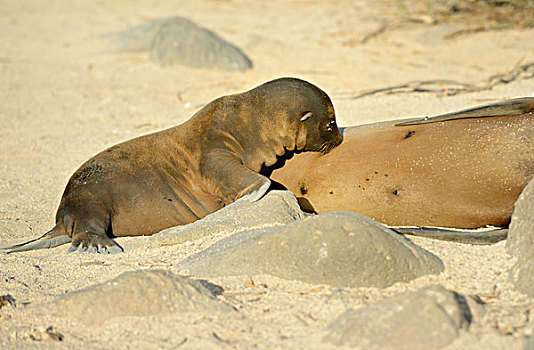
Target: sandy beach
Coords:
[(67, 94)]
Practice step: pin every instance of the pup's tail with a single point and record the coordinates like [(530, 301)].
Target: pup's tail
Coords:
[(53, 238)]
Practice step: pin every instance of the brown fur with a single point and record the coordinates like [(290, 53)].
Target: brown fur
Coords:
[(456, 170), (181, 174)]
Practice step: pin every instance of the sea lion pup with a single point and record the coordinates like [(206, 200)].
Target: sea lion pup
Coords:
[(181, 174), (459, 170)]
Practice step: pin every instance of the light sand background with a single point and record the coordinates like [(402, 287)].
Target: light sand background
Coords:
[(65, 97)]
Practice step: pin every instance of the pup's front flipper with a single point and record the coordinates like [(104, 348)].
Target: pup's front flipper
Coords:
[(233, 180), (255, 191)]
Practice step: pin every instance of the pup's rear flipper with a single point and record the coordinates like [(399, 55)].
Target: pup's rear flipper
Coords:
[(53, 238), (481, 236)]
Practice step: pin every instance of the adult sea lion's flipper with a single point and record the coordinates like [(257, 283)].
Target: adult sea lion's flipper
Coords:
[(53, 238), (482, 236), (515, 106)]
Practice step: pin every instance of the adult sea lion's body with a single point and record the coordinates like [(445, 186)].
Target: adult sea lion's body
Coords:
[(461, 170), (181, 174)]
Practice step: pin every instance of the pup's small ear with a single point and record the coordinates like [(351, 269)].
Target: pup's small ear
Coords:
[(306, 116)]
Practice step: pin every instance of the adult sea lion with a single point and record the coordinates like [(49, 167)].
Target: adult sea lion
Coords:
[(461, 170), (181, 174)]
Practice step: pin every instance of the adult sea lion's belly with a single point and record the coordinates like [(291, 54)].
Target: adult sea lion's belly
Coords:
[(462, 173)]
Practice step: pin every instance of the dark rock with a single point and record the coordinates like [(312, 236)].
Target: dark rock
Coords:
[(276, 208), (45, 334), (7, 300), (428, 319), (520, 242), (340, 249)]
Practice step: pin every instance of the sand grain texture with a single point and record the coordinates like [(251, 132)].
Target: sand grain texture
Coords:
[(339, 249), (430, 318), (67, 96), (139, 293), (520, 242), (275, 209)]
